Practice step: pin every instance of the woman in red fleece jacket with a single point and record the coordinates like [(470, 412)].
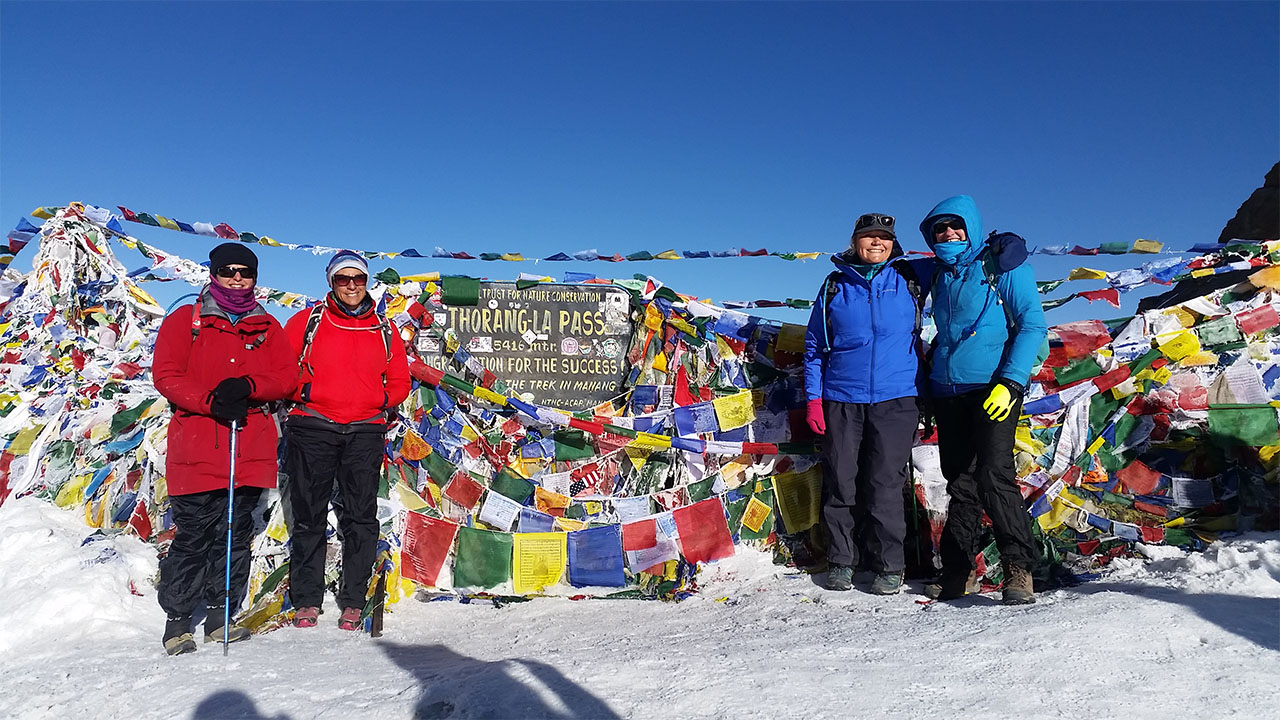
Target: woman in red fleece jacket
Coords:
[(353, 374), (218, 360)]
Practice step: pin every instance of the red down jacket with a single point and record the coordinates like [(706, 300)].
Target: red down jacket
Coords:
[(187, 367), (346, 377)]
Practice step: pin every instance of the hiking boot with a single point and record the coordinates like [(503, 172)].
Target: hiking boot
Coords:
[(177, 636), (952, 586), (886, 583), (839, 577), (235, 634), (306, 617), (350, 619), (1017, 586)]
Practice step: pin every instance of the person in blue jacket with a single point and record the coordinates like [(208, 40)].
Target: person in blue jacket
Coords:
[(860, 375), (990, 328)]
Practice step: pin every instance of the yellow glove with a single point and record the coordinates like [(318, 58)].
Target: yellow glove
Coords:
[(998, 403)]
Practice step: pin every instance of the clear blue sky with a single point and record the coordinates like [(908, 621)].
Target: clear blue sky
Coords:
[(545, 127)]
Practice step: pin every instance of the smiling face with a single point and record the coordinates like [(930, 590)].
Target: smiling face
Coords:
[(949, 230), (349, 287), (873, 247), (237, 281)]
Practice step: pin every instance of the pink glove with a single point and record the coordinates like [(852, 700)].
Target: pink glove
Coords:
[(813, 415)]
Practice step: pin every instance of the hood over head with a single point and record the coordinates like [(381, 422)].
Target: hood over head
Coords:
[(966, 209)]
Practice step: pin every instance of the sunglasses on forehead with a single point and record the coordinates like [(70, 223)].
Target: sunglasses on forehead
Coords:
[(873, 220), (227, 272), (947, 224)]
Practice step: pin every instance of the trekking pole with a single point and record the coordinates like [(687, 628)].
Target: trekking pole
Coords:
[(231, 492)]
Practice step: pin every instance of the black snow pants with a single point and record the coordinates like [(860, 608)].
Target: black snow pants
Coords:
[(196, 566), (976, 454), (316, 458), (867, 446)]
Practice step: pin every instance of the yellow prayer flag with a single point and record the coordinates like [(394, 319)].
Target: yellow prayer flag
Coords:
[(513, 257), (651, 441), (1201, 272), (545, 500), (1147, 246), (1096, 445), (755, 515), (396, 305), (21, 444), (538, 560), (807, 255), (166, 222), (468, 433), (1083, 273), (682, 326), (799, 496), (276, 529), (410, 499), (1268, 277), (791, 338), (1184, 316), (652, 317), (1057, 514), (1022, 440), (726, 352), (43, 213), (414, 447), (660, 362), (667, 255), (570, 525), (638, 455), (1177, 345), (491, 396), (734, 411), (72, 492), (1203, 358), (430, 278)]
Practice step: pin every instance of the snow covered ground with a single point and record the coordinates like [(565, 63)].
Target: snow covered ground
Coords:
[(1179, 635)]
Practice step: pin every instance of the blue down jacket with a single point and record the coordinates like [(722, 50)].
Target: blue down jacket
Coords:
[(983, 335), (873, 350)]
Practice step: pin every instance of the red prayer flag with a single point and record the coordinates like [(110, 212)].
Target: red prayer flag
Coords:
[(640, 535), (1260, 318), (463, 490), (743, 252), (226, 232), (1109, 380), (427, 541), (1082, 337), (1152, 534), (704, 532), (140, 521), (1138, 478), (1110, 295)]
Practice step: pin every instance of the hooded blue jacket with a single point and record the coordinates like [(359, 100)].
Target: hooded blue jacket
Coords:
[(873, 352), (983, 336)]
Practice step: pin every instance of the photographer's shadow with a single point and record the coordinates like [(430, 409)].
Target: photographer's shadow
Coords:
[(454, 685)]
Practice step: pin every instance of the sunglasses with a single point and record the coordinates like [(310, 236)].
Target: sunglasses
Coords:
[(949, 224), (354, 280), (227, 272), (873, 220)]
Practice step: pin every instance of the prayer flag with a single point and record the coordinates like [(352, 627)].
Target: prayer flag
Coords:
[(595, 557), (426, 545), (539, 560), (483, 558)]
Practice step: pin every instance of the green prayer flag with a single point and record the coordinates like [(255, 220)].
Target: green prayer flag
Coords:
[(642, 255), (572, 445), (439, 469), (388, 277), (127, 418), (1114, 248), (1083, 370), (764, 494), (526, 284), (461, 291), (701, 490), (482, 558), (1221, 331), (1252, 425), (511, 485), (736, 509)]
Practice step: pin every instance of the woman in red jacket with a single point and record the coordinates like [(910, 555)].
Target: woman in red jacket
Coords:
[(219, 360), (353, 374)]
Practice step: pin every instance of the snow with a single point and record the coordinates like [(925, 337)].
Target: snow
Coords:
[(1192, 635)]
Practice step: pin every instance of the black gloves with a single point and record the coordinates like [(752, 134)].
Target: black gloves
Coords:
[(231, 399)]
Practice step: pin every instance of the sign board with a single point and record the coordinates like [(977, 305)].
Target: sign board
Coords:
[(560, 345)]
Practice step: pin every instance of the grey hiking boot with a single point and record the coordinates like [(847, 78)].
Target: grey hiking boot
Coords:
[(952, 586), (1017, 586), (235, 633), (177, 636), (886, 583), (839, 577)]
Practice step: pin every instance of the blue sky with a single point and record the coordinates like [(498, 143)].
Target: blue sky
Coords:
[(546, 127)]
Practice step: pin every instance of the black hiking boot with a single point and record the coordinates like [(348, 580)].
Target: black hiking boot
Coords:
[(177, 636), (952, 586)]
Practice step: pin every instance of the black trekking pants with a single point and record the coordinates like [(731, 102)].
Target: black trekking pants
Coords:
[(867, 446), (195, 568), (315, 459), (976, 454)]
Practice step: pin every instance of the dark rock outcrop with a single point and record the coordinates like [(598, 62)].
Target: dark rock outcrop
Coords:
[(1259, 217)]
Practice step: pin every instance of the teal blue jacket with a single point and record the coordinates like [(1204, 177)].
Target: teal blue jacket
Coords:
[(985, 334)]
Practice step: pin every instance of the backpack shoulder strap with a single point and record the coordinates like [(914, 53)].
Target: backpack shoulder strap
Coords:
[(909, 276), (308, 335), (828, 292)]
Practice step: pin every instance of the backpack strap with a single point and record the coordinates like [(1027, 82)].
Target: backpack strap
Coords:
[(909, 276), (828, 292)]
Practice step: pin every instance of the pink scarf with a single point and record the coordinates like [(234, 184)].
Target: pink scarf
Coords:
[(235, 301)]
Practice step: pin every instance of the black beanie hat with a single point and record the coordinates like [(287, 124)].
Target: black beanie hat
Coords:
[(232, 253)]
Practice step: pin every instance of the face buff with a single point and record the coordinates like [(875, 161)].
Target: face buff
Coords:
[(949, 252)]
